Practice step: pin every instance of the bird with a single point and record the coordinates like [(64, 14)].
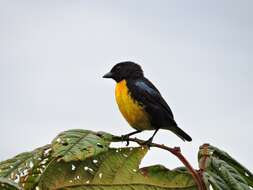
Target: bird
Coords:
[(140, 102)]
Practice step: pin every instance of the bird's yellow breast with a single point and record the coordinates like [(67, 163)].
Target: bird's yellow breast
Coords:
[(132, 111)]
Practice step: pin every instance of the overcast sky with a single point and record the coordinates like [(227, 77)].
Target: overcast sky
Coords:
[(198, 53)]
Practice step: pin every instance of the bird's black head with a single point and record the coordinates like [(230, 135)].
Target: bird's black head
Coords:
[(125, 70)]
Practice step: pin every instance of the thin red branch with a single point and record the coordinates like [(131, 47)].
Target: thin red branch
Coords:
[(177, 152)]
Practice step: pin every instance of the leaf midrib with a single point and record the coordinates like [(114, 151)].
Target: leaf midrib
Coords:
[(124, 184), (75, 143)]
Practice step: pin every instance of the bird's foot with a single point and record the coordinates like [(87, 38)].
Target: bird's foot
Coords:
[(148, 142), (125, 138)]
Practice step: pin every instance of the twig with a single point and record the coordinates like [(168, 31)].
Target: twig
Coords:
[(177, 152)]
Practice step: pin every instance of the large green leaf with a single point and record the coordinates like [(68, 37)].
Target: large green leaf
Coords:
[(113, 170), (222, 171), (6, 184), (26, 168), (78, 144)]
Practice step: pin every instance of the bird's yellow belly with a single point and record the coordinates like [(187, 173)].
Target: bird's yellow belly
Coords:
[(130, 109)]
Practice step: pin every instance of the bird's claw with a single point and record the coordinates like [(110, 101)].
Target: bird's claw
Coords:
[(125, 138), (147, 143)]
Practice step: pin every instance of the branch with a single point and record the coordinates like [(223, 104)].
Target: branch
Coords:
[(177, 152)]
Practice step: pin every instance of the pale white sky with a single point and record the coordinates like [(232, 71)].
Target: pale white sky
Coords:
[(198, 53)]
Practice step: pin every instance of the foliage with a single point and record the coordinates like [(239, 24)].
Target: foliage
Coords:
[(222, 171), (6, 184), (80, 144), (82, 159)]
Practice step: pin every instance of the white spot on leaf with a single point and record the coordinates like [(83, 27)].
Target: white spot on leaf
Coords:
[(31, 164), (73, 167), (86, 168)]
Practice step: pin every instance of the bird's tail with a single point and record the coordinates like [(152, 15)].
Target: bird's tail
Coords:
[(180, 133)]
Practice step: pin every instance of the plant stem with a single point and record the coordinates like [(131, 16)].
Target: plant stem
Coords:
[(177, 152)]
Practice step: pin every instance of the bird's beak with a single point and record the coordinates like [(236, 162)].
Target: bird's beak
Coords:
[(108, 75)]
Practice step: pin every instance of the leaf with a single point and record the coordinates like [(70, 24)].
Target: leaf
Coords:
[(113, 170), (6, 184), (26, 168), (80, 144), (222, 171), (216, 181)]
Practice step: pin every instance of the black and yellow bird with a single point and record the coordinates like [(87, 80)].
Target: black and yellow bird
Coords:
[(140, 102)]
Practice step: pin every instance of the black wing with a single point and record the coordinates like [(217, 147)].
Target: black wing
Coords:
[(150, 98), (159, 111)]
